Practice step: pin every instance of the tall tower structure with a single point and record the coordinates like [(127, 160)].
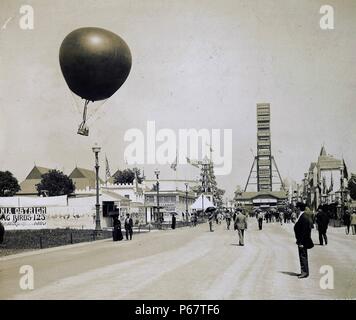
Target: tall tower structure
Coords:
[(264, 157), (264, 166)]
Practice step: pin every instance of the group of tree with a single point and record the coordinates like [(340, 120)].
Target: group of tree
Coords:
[(53, 183), (56, 183), (128, 176), (9, 185), (352, 186)]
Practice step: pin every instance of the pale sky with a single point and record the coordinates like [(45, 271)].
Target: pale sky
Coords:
[(196, 64)]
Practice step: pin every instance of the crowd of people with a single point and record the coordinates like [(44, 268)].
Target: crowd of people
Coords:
[(303, 218)]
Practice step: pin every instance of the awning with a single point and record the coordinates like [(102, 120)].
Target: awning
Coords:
[(199, 203)]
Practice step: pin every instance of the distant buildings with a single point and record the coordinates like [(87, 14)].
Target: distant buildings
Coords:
[(138, 199), (83, 178), (261, 199), (173, 197), (325, 182)]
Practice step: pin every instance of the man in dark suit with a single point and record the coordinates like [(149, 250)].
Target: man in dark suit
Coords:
[(128, 226), (302, 230), (210, 220), (322, 221), (241, 225), (2, 229)]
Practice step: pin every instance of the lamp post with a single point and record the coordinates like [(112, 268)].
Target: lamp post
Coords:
[(186, 200), (96, 151), (157, 187)]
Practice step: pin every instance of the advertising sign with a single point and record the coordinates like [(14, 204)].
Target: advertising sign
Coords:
[(23, 217)]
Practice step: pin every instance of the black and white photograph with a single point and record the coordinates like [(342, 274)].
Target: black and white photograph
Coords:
[(177, 150)]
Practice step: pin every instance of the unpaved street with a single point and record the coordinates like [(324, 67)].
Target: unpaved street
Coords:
[(187, 263)]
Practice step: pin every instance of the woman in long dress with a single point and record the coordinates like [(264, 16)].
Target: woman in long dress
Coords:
[(117, 233), (173, 221)]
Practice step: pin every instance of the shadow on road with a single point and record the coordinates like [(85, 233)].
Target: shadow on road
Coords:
[(292, 274)]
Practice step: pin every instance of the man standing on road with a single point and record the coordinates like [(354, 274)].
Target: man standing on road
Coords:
[(353, 221), (260, 217), (128, 226), (241, 225), (2, 229), (322, 221), (302, 230), (210, 219), (228, 219), (347, 221)]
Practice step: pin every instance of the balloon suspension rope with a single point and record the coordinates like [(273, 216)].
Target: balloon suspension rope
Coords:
[(83, 130)]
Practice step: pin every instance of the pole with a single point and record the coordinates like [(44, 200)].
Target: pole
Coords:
[(97, 205), (186, 201), (158, 213)]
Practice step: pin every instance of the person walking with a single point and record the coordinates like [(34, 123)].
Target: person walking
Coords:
[(322, 221), (117, 234), (241, 225), (128, 226), (228, 219), (2, 229), (302, 230), (174, 220), (353, 221), (194, 219), (293, 216), (347, 221), (210, 220), (281, 217), (260, 216)]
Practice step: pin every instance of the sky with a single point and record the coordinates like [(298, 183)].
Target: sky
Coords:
[(196, 64)]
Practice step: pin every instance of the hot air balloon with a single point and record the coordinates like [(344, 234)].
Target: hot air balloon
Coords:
[(95, 63)]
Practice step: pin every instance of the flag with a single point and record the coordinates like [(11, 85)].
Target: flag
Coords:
[(107, 169), (346, 174), (174, 164), (192, 163)]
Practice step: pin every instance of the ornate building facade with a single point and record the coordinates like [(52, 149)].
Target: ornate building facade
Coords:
[(325, 182)]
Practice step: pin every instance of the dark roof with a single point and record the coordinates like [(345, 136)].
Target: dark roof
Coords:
[(37, 172), (28, 186), (82, 173)]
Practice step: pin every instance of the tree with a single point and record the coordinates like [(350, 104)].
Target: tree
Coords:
[(55, 183), (8, 184), (352, 186), (128, 176)]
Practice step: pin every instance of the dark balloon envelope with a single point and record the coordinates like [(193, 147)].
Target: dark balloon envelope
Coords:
[(94, 62)]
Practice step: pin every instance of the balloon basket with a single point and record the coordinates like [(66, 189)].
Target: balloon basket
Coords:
[(83, 130)]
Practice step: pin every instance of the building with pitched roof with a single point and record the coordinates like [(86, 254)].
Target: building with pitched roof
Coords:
[(28, 186), (84, 179)]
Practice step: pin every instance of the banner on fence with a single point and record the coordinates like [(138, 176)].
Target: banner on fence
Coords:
[(23, 217)]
